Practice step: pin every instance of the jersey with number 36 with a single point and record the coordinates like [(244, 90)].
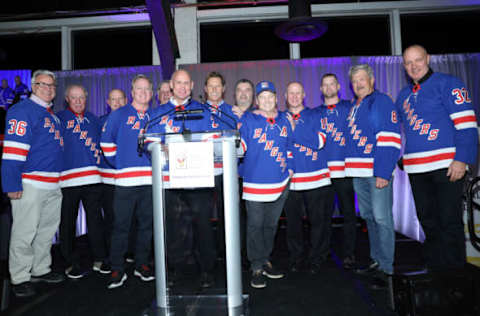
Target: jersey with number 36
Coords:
[(33, 148)]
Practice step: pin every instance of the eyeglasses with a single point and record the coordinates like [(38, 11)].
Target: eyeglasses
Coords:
[(46, 85)]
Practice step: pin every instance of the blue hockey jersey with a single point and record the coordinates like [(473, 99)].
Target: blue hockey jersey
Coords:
[(33, 147), (439, 124), (6, 97), (221, 118), (82, 148), (21, 90), (268, 148), (107, 170), (309, 165), (119, 144), (373, 141), (333, 122)]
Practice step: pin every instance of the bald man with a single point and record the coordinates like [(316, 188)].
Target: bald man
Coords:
[(309, 186), (197, 199), (441, 140)]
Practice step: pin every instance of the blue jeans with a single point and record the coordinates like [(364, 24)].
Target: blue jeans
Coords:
[(376, 209), (262, 222)]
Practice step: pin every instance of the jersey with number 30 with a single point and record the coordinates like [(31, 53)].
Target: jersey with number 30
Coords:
[(439, 124), (33, 148)]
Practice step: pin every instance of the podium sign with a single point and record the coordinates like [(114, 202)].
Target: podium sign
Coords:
[(191, 165)]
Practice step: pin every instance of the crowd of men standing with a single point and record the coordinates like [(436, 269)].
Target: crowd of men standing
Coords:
[(301, 157)]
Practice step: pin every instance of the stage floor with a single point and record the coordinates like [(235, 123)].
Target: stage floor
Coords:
[(333, 291)]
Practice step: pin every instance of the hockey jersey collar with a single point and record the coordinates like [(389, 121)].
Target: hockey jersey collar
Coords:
[(359, 101), (297, 116), (40, 102), (175, 103), (215, 105), (416, 86), (79, 115)]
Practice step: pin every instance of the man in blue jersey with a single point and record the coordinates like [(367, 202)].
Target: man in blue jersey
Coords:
[(222, 118), (7, 95), (334, 112), (441, 140), (243, 95), (309, 190), (373, 147), (199, 199), (31, 165), (21, 89), (266, 140), (133, 182), (81, 182), (116, 99)]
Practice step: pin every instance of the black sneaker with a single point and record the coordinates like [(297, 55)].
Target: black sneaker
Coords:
[(75, 272), (271, 272), (50, 277), (258, 280), (380, 281), (144, 272), (117, 279), (129, 257), (24, 289), (370, 269), (206, 280), (315, 268), (296, 266), (102, 267), (348, 262)]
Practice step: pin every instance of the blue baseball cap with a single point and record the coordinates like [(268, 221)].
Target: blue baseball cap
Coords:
[(264, 86)]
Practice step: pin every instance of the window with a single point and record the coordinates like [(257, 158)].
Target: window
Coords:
[(31, 51), (351, 36), (442, 33), (107, 48), (241, 41)]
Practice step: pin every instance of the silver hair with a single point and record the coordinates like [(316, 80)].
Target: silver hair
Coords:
[(141, 76), (43, 72), (354, 69), (69, 87)]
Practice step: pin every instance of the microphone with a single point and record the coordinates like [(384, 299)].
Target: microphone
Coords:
[(186, 112), (232, 126)]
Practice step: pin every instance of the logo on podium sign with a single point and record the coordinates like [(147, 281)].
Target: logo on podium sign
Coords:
[(191, 165)]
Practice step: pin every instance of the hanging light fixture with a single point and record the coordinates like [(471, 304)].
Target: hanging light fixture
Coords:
[(300, 27)]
